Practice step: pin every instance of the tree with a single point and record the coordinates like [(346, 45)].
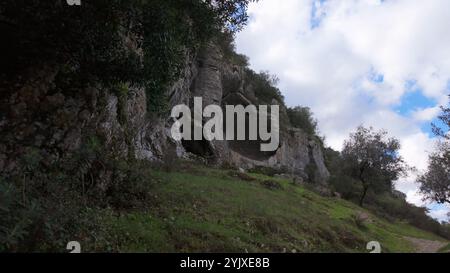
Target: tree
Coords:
[(265, 86), (373, 159), (142, 43), (435, 182), (231, 13), (302, 117), (444, 118)]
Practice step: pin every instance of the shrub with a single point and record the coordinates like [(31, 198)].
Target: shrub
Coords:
[(271, 184), (302, 117), (225, 40), (264, 86), (40, 212), (17, 217), (346, 186), (42, 207), (130, 185)]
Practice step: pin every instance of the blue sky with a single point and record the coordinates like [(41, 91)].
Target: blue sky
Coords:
[(414, 100), (316, 14), (384, 64)]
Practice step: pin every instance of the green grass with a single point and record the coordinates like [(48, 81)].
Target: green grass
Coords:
[(212, 210)]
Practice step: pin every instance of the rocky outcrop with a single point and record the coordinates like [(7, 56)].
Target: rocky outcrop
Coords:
[(39, 116), (219, 82)]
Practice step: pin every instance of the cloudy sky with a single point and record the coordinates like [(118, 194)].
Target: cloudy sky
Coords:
[(380, 63)]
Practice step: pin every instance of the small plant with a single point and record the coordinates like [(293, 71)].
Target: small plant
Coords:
[(130, 185), (240, 175), (16, 217), (310, 171), (271, 185)]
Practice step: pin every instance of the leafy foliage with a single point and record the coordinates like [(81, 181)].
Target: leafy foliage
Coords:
[(444, 118), (16, 218), (435, 182), (42, 208), (264, 86), (88, 39), (232, 14), (373, 160), (141, 43), (226, 42), (171, 28), (302, 117)]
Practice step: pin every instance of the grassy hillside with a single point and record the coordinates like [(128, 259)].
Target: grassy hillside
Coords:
[(200, 209)]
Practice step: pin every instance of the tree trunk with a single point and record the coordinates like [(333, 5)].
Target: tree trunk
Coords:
[(364, 184), (363, 196)]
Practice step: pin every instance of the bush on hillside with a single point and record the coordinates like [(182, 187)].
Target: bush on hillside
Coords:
[(264, 86), (42, 207), (302, 117)]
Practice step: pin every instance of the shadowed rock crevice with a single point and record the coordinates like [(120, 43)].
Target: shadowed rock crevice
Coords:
[(198, 147)]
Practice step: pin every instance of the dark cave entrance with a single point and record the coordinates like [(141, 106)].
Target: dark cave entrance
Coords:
[(248, 148)]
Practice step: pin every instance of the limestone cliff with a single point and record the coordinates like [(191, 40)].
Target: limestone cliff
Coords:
[(52, 123)]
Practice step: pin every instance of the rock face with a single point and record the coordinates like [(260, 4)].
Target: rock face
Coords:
[(219, 82), (38, 116)]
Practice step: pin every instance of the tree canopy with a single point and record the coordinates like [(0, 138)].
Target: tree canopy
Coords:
[(302, 117), (373, 159), (444, 119), (435, 182), (138, 42)]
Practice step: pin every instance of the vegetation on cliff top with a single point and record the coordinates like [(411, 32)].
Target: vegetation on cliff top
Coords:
[(142, 43)]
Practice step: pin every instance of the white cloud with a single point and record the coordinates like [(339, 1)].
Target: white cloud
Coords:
[(426, 114), (352, 67), (441, 213)]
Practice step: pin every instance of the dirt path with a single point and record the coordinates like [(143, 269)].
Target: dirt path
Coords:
[(426, 246)]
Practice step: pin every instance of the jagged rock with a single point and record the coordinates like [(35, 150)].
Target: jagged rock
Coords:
[(337, 195), (296, 151), (72, 140), (362, 217), (84, 115), (297, 180), (55, 100), (66, 118)]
